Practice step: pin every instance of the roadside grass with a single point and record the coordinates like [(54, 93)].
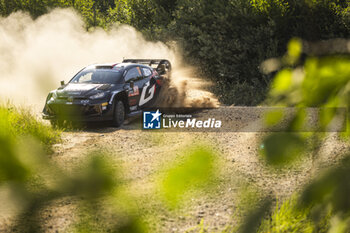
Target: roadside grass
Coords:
[(288, 217), (19, 122), (285, 218), (200, 228)]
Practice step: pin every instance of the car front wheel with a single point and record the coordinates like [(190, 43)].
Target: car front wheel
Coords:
[(119, 113)]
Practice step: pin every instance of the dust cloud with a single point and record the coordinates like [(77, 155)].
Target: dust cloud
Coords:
[(186, 89), (35, 55)]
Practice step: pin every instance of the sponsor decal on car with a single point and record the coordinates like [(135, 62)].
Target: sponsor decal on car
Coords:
[(150, 93), (133, 108), (134, 92)]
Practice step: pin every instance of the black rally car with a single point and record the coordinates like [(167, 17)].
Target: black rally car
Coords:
[(107, 92)]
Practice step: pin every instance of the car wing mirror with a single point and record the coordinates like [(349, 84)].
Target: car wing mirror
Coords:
[(62, 83)]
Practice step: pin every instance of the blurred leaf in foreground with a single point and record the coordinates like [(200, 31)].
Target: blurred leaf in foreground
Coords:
[(294, 50), (331, 188), (282, 148), (253, 220), (30, 181), (325, 86), (195, 171), (326, 79), (281, 83), (273, 117), (95, 178)]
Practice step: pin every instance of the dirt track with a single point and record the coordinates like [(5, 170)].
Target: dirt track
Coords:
[(143, 154)]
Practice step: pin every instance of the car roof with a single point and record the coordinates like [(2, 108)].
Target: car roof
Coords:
[(115, 65)]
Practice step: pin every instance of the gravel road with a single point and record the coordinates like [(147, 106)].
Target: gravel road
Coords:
[(143, 155)]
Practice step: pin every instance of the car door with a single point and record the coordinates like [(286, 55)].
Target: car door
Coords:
[(134, 75), (148, 93)]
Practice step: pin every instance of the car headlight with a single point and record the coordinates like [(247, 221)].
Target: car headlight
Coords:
[(53, 96), (98, 96)]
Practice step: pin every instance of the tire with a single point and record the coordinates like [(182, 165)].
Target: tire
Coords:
[(119, 113)]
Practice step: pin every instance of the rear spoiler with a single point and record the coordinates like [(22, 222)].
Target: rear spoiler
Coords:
[(162, 66)]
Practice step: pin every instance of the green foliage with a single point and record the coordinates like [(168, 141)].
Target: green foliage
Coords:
[(331, 188), (294, 50), (16, 122), (121, 13), (252, 221), (270, 6), (95, 185), (227, 40), (321, 82), (35, 7), (195, 171), (220, 38), (282, 148), (273, 117), (33, 180), (281, 83), (289, 218), (326, 79), (200, 228)]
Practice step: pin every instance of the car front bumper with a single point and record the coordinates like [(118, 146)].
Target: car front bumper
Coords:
[(78, 110)]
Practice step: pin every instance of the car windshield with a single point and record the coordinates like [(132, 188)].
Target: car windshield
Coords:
[(98, 76)]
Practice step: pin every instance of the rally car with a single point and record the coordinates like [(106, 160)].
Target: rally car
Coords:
[(107, 92)]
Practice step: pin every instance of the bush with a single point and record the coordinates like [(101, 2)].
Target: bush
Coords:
[(16, 123), (228, 40)]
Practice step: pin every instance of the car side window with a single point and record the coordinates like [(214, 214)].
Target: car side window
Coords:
[(133, 74), (146, 72)]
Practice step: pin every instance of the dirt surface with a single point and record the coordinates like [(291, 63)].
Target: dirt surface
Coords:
[(143, 154)]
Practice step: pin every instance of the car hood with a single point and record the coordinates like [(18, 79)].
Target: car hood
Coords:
[(82, 89)]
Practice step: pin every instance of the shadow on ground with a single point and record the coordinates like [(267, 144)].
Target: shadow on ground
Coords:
[(102, 127)]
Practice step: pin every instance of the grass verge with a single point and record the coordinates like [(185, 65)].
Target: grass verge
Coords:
[(288, 217), (19, 122)]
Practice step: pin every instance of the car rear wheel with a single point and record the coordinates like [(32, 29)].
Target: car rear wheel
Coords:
[(119, 113)]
